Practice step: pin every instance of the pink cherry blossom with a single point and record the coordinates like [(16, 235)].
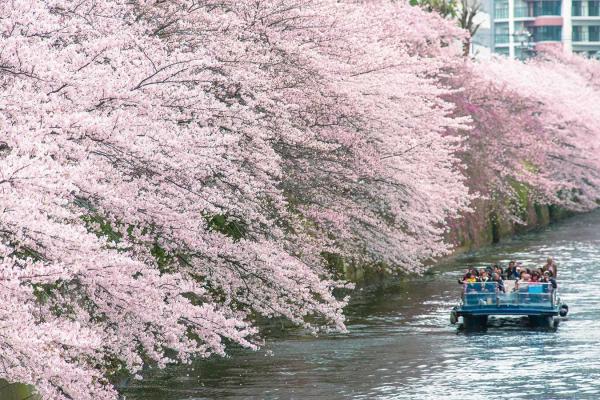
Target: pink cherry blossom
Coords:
[(310, 126), (171, 171)]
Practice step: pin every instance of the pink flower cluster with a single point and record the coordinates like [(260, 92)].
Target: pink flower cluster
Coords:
[(534, 131)]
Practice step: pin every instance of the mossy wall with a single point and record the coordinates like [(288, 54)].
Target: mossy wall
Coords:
[(16, 391), (484, 227)]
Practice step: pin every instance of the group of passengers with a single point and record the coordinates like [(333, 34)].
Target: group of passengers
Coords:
[(515, 271)]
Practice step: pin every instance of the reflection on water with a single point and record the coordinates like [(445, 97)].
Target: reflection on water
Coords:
[(402, 346)]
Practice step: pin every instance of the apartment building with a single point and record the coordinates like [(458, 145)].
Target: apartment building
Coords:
[(521, 27)]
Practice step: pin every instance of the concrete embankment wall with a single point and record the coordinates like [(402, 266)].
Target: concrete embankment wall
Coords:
[(480, 228)]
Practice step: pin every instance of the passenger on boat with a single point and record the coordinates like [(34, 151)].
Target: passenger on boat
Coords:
[(467, 275), (519, 271), (550, 266), (483, 276), (497, 278), (523, 282), (511, 270), (498, 270), (519, 268), (539, 272), (548, 278)]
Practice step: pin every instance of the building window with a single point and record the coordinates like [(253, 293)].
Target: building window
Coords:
[(586, 34), (546, 8), (501, 9), (586, 8), (578, 35), (520, 26), (502, 50), (594, 34), (521, 9), (501, 33), (547, 34), (501, 13)]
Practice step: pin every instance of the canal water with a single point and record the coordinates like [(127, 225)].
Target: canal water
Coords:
[(402, 346)]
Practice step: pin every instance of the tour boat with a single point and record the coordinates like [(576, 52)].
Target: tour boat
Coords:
[(536, 300)]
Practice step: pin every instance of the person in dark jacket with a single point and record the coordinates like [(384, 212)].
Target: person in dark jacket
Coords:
[(498, 279), (511, 271)]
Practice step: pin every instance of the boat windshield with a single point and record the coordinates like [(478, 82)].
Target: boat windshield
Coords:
[(531, 294)]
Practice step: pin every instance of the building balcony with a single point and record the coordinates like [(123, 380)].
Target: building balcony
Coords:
[(538, 9), (550, 21)]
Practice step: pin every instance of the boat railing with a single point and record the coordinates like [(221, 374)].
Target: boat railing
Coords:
[(526, 294)]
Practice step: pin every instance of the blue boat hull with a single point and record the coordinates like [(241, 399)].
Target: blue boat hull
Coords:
[(476, 318)]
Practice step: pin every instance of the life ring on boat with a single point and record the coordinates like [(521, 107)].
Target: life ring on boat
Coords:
[(564, 310), (453, 317)]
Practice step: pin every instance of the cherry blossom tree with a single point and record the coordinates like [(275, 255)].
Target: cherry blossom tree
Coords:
[(505, 143), (534, 128), (169, 169), (566, 100)]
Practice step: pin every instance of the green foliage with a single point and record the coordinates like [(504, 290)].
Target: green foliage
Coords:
[(446, 8), (335, 264), (50, 293), (162, 257), (24, 253), (44, 292), (227, 225), (101, 227), (530, 167)]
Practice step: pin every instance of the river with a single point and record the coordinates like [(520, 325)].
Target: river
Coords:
[(401, 345)]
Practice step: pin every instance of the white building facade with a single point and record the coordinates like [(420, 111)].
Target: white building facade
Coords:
[(521, 27)]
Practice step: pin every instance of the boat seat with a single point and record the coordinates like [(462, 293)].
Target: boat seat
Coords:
[(538, 289)]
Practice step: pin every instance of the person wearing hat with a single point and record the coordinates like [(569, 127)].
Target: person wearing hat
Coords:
[(550, 279)]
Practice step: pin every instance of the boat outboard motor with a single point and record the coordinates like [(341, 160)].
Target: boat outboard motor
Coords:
[(564, 310)]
